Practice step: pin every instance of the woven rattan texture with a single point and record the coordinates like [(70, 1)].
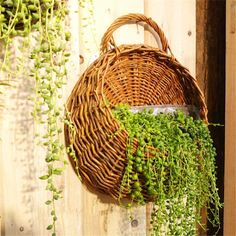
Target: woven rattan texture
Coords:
[(134, 74)]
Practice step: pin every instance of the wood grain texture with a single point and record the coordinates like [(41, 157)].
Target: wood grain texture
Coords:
[(210, 74), (230, 130), (177, 19)]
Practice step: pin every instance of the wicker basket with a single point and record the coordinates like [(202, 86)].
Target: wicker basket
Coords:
[(134, 74)]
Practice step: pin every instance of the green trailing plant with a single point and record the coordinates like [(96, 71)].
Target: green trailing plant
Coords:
[(49, 71), (40, 24), (173, 165), (19, 18)]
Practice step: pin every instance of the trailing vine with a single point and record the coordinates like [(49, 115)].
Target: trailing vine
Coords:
[(49, 71), (17, 18), (174, 166), (41, 25)]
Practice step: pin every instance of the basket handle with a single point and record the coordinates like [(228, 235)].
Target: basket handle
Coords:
[(108, 40)]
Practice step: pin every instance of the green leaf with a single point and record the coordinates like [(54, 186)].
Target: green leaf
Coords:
[(44, 177), (57, 171), (56, 197), (49, 227)]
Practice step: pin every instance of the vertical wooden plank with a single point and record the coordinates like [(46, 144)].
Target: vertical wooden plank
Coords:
[(230, 129), (1, 170), (171, 16), (18, 166), (105, 215), (70, 207), (211, 55), (177, 18), (210, 74)]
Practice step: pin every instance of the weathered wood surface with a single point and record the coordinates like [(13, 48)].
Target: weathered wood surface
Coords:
[(210, 73), (230, 128), (178, 21), (81, 212)]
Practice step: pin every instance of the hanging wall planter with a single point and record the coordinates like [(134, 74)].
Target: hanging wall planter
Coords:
[(141, 156)]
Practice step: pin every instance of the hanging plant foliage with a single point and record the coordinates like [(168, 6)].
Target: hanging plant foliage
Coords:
[(41, 25), (20, 18), (49, 71), (173, 165)]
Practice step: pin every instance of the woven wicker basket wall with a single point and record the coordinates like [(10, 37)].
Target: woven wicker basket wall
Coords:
[(134, 74)]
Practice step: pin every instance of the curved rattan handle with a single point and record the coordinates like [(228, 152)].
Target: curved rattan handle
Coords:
[(108, 40)]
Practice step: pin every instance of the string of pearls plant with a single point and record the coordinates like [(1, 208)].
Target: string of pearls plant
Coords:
[(50, 57), (174, 166), (41, 26)]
